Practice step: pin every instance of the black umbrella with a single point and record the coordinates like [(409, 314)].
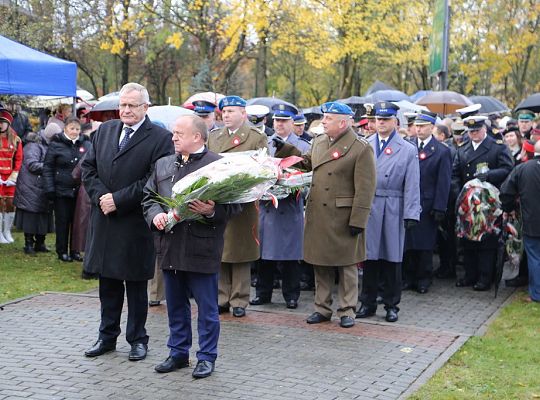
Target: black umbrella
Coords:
[(268, 102), (109, 104), (489, 104), (354, 100), (530, 103), (315, 110)]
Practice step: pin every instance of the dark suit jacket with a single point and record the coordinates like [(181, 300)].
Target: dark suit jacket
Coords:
[(119, 245), (190, 246)]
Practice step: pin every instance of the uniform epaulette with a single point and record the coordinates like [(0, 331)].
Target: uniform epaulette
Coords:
[(217, 128), (462, 144), (499, 141), (362, 140)]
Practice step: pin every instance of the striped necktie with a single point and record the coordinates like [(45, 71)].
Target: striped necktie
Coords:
[(127, 135)]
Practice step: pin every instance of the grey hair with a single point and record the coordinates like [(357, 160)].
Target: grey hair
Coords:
[(132, 86), (198, 125)]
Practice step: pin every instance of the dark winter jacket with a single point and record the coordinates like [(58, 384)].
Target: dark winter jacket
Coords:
[(29, 194), (62, 157)]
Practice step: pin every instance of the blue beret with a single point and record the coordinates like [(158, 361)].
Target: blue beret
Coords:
[(284, 111), (385, 109), (425, 117), (334, 107), (203, 107), (231, 101), (299, 119)]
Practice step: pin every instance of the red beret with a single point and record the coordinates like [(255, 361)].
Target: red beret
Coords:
[(528, 146), (363, 122), (6, 115)]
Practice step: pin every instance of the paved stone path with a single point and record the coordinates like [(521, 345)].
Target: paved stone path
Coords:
[(270, 354)]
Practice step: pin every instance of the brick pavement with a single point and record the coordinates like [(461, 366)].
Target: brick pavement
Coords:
[(270, 354)]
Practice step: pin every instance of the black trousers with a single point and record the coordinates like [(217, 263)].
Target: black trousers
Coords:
[(389, 273), (418, 267), (111, 296), (447, 243), (479, 264), (290, 275), (64, 209)]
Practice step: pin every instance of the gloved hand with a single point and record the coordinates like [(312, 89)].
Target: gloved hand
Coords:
[(409, 223), (50, 195), (438, 216), (355, 231), (482, 176), (9, 183), (278, 142)]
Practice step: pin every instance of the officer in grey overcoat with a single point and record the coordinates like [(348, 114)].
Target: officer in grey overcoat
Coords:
[(395, 208)]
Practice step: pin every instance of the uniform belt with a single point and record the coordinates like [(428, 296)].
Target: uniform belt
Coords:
[(388, 193)]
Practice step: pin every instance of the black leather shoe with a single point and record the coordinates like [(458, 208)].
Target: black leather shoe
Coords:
[(257, 301), (366, 312), (422, 289), (171, 364), (481, 287), (203, 369), (64, 257), (222, 309), (464, 283), (292, 304), (346, 322), (239, 312), (99, 348), (154, 303), (138, 352), (391, 315), (76, 257), (317, 318)]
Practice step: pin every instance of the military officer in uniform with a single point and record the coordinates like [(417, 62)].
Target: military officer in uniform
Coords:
[(337, 211), (525, 123), (490, 161), (206, 110), (281, 229), (240, 248), (257, 114), (300, 127), (395, 208), (435, 178)]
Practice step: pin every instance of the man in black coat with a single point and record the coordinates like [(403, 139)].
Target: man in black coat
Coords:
[(190, 254), (119, 245), (435, 177), (490, 161), (524, 183)]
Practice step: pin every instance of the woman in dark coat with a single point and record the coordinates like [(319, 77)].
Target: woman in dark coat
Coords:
[(33, 215), (65, 151)]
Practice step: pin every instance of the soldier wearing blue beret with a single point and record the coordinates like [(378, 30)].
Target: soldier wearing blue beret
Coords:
[(488, 160), (337, 211), (395, 209)]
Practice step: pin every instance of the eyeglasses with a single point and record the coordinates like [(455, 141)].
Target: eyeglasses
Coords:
[(130, 106)]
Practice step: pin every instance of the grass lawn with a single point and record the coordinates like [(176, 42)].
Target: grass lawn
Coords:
[(504, 364), (23, 275)]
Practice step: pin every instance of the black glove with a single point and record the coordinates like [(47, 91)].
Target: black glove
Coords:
[(50, 195), (279, 143), (482, 176), (355, 231), (409, 223), (438, 216)]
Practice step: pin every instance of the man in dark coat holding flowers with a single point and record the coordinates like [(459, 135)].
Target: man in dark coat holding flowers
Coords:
[(190, 254)]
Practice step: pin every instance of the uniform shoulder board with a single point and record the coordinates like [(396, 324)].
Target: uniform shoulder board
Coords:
[(304, 140), (462, 144), (499, 141), (217, 128), (362, 140)]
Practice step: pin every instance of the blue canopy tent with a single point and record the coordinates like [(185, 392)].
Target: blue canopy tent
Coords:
[(27, 71)]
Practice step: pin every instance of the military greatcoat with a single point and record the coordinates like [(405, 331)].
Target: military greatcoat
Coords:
[(435, 178), (341, 193), (397, 198), (242, 230)]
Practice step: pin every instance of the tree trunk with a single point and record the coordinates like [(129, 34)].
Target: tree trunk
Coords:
[(261, 88)]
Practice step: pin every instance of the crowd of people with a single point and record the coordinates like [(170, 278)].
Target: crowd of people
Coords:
[(382, 200)]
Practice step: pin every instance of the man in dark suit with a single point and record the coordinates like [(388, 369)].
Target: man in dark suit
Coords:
[(490, 161), (119, 246), (435, 178), (190, 255)]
